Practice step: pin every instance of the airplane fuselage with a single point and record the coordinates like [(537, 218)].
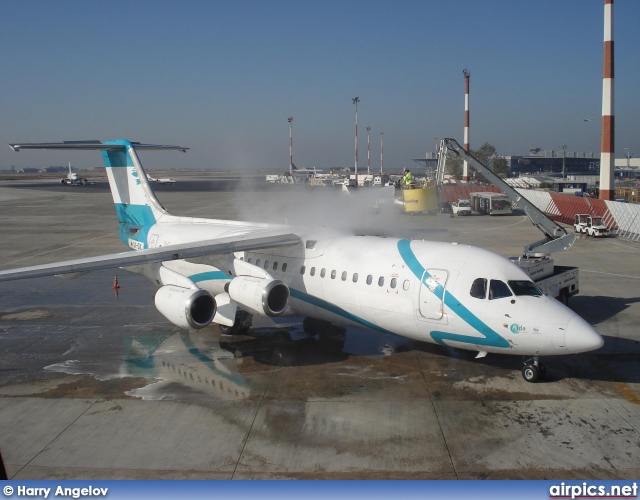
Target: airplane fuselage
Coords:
[(416, 289)]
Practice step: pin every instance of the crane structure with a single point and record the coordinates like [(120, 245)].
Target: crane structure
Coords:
[(556, 237)]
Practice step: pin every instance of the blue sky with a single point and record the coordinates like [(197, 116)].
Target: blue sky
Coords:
[(221, 77)]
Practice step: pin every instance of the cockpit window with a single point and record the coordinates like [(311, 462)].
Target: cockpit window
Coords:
[(525, 288), (498, 290), (479, 288)]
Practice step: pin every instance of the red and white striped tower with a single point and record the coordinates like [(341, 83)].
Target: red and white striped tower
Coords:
[(465, 171), (356, 100), (607, 172), (381, 150), (368, 151), (290, 119)]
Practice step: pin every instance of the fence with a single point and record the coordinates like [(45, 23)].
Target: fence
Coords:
[(622, 218)]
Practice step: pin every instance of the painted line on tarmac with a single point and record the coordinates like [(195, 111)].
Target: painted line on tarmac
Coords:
[(524, 218), (58, 249), (611, 274)]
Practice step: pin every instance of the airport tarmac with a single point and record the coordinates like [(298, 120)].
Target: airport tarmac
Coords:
[(94, 386)]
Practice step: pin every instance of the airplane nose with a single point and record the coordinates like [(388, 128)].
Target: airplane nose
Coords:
[(581, 337)]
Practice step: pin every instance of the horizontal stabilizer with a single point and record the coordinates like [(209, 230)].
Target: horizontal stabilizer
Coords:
[(251, 241), (91, 146)]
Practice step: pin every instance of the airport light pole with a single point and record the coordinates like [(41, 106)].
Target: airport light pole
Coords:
[(290, 120), (626, 155), (356, 100), (564, 155), (381, 151), (368, 151)]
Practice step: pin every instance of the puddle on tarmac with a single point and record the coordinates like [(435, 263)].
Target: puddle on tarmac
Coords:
[(181, 363), (28, 315)]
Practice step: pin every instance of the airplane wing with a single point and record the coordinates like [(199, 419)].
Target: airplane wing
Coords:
[(254, 240)]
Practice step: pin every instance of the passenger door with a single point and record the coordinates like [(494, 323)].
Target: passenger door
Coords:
[(433, 286)]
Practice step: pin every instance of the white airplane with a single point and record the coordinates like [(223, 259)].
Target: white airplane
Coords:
[(73, 178), (223, 271), (161, 180)]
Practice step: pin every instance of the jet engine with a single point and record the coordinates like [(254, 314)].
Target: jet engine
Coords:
[(186, 307), (261, 296)]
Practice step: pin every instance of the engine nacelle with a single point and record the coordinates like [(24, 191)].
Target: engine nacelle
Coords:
[(261, 296), (186, 307)]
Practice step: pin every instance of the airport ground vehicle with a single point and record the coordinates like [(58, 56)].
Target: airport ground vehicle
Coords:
[(461, 207), (490, 203), (560, 282), (590, 225)]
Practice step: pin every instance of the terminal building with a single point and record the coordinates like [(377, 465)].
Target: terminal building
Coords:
[(554, 164)]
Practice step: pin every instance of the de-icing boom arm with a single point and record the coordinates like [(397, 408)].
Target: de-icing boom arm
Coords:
[(556, 237)]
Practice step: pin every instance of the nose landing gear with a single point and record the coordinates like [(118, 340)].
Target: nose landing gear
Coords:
[(533, 369)]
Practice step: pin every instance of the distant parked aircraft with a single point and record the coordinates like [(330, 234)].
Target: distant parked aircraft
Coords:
[(74, 179), (161, 180)]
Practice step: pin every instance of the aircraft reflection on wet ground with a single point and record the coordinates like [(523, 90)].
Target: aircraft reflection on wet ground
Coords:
[(224, 366)]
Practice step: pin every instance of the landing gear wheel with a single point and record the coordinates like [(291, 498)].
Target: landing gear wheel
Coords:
[(240, 326), (543, 370), (531, 373)]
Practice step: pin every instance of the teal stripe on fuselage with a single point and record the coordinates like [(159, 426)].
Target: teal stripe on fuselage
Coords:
[(209, 275), (491, 337), (332, 308)]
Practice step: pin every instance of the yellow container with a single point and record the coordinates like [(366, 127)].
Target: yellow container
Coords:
[(421, 199)]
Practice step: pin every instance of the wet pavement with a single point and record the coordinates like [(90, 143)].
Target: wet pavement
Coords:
[(96, 386)]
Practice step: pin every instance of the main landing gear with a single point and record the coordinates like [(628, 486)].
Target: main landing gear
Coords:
[(533, 369), (241, 324)]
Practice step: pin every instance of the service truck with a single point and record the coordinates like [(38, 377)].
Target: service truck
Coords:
[(590, 225), (560, 282), (461, 207)]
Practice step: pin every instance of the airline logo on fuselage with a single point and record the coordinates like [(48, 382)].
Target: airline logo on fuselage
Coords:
[(516, 328)]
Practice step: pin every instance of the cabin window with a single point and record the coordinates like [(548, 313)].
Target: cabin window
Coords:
[(284, 267), (355, 277), (323, 272), (369, 279), (302, 270), (498, 290), (258, 262), (249, 260), (275, 266), (241, 258), (381, 281), (344, 276), (266, 264), (311, 244), (313, 271), (333, 274), (405, 285), (394, 282), (525, 288)]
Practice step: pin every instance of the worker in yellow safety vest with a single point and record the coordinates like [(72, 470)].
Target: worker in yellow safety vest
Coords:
[(407, 179)]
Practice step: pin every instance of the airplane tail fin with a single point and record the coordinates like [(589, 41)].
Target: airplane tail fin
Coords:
[(133, 197), (135, 202)]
